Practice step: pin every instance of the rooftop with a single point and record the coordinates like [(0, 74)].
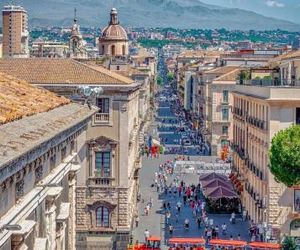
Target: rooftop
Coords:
[(60, 71), (230, 76), (19, 99), (222, 70), (290, 55), (22, 136), (273, 93), (200, 53)]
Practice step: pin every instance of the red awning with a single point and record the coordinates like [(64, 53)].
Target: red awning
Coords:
[(187, 241), (219, 192), (216, 183), (154, 238), (264, 245), (212, 176), (236, 243)]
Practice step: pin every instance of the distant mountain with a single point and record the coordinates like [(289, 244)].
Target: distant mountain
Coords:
[(150, 13)]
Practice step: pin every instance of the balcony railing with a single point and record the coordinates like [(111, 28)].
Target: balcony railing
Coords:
[(270, 82), (101, 118), (102, 181), (256, 122)]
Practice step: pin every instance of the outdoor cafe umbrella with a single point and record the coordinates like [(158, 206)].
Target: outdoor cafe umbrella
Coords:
[(212, 176), (219, 193), (216, 183)]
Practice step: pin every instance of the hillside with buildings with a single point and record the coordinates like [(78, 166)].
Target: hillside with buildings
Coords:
[(153, 13)]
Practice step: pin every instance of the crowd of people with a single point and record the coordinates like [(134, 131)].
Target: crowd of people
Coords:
[(181, 126)]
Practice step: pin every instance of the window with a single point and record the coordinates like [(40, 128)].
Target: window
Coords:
[(118, 67), (103, 104), (225, 130), (225, 96), (298, 116), (123, 50), (113, 50), (102, 164), (102, 217), (225, 114)]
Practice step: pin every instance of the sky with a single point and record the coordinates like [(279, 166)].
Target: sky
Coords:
[(282, 9)]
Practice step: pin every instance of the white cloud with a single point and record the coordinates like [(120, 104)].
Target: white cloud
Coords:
[(272, 3)]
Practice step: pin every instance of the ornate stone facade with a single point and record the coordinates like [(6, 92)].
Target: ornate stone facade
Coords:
[(37, 195)]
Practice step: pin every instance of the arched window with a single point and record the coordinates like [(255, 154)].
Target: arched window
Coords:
[(113, 50), (103, 50), (102, 217), (123, 50)]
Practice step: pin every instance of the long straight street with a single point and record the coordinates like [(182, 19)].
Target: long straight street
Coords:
[(178, 137)]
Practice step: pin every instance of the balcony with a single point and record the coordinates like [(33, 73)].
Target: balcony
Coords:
[(102, 181), (102, 118), (256, 122), (240, 151)]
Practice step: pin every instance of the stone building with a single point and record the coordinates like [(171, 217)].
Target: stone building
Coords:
[(214, 86), (262, 107), (43, 144), (76, 42), (113, 41), (107, 187), (219, 102)]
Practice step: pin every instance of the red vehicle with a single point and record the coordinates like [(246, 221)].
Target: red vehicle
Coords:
[(263, 246), (181, 243), (231, 244)]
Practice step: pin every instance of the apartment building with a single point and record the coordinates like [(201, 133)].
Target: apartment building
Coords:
[(264, 104), (15, 31)]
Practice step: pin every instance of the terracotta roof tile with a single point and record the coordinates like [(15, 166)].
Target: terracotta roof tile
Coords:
[(60, 71), (19, 99)]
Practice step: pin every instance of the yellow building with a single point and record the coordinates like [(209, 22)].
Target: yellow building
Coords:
[(261, 109)]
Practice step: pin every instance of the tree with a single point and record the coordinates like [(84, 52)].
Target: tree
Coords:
[(159, 80), (289, 243), (285, 156), (170, 77)]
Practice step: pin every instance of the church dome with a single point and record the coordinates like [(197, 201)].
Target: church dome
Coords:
[(114, 31)]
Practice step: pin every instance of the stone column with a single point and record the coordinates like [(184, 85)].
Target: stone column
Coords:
[(72, 221), (51, 224), (50, 214)]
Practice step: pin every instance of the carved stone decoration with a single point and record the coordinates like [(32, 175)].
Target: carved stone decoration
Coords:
[(20, 189), (38, 173), (3, 186)]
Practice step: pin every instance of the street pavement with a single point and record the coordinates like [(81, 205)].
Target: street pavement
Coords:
[(155, 221)]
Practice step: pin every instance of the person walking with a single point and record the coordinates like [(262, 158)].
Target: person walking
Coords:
[(147, 235), (178, 206), (199, 221), (224, 229), (137, 219), (171, 229)]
